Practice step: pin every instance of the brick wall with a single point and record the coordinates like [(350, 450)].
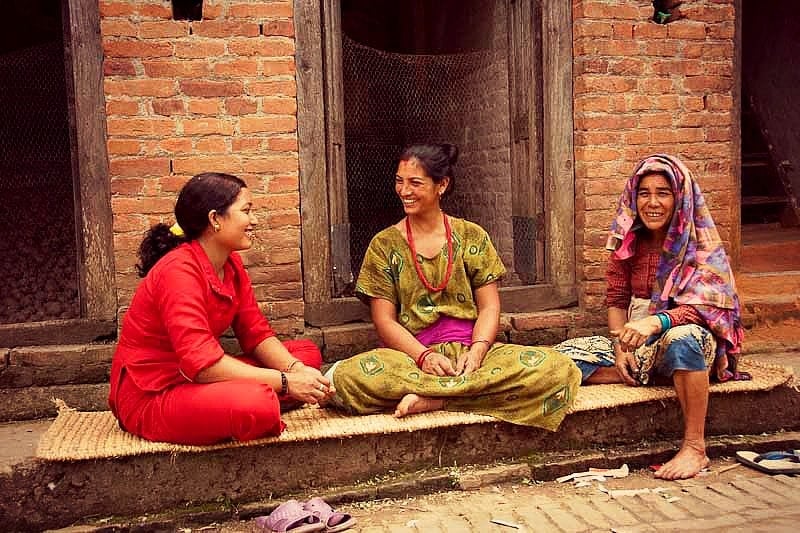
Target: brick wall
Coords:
[(641, 88), (213, 95)]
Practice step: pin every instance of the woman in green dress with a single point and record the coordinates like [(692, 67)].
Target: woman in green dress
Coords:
[(431, 283)]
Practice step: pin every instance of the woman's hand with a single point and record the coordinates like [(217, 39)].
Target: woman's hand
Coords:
[(438, 365), (470, 360), (625, 363), (634, 334), (309, 385)]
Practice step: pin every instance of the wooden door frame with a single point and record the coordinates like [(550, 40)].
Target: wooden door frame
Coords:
[(83, 60), (544, 161)]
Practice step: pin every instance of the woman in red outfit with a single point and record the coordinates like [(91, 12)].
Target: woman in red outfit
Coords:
[(673, 311), (171, 380)]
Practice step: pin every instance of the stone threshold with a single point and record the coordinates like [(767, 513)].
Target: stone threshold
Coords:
[(41, 494)]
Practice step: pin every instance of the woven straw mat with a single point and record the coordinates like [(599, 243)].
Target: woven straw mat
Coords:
[(76, 435)]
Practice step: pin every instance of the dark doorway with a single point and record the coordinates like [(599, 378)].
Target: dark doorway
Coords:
[(38, 246)]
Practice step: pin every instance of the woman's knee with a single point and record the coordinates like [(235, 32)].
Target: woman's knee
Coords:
[(686, 350), (254, 411), (306, 351)]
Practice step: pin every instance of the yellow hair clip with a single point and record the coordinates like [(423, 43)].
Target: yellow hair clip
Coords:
[(176, 230)]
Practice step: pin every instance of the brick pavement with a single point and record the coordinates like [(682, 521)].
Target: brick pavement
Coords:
[(736, 500)]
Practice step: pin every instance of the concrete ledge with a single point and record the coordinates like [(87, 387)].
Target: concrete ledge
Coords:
[(40, 494)]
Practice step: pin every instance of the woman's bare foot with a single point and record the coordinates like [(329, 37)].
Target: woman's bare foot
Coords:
[(413, 403), (687, 463)]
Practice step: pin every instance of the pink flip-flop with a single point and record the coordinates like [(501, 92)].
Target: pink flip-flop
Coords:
[(290, 517), (333, 520)]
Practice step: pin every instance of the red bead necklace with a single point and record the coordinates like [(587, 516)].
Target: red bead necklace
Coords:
[(449, 234)]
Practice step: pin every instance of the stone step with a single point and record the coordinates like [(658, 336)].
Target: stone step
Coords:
[(42, 494), (753, 285), (770, 248), (32, 376)]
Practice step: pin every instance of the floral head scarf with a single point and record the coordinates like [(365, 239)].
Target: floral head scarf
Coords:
[(694, 269)]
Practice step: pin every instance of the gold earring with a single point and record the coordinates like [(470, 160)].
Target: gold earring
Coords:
[(216, 227)]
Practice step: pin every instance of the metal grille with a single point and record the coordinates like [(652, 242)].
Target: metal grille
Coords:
[(393, 99), (38, 257)]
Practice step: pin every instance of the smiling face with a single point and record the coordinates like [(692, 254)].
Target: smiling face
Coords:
[(236, 225), (417, 191), (655, 202)]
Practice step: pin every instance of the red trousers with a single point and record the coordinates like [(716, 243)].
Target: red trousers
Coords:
[(206, 413)]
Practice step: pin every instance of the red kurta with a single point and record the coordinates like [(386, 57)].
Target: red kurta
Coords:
[(171, 332)]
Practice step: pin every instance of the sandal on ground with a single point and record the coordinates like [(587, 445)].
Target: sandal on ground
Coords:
[(333, 520), (290, 517), (779, 462)]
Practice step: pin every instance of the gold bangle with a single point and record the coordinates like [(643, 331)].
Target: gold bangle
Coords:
[(488, 343), (291, 365)]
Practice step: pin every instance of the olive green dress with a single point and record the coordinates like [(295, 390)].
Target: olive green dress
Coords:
[(524, 385)]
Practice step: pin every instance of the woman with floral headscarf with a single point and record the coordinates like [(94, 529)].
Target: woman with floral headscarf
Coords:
[(673, 311)]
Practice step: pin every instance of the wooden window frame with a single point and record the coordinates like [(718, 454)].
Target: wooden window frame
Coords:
[(541, 125), (83, 61)]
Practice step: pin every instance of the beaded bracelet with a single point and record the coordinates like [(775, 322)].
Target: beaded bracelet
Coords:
[(421, 357), (284, 384), (665, 321)]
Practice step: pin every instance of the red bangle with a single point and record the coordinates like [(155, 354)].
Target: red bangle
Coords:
[(421, 357)]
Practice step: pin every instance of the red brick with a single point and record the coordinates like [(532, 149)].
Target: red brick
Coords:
[(207, 126), (605, 203), (236, 68), (280, 184), (271, 164), (246, 144), (200, 49), (122, 147), (172, 184), (591, 102), (723, 30), (623, 30), (171, 106), (140, 126), (140, 87), (212, 145), (693, 50), (224, 29), (591, 65), (686, 29), (717, 50), (277, 202), (240, 106), (261, 10), (277, 67), (601, 84), (279, 220), (281, 144), (284, 28), (117, 28), (175, 145), (118, 67), (163, 29), (262, 46), (211, 88), (707, 84), (139, 167), (176, 69), (605, 122), (195, 165), (595, 138), (627, 66), (141, 205), (127, 187), (129, 222), (272, 124), (649, 30), (656, 85), (661, 48), (115, 9), (278, 105), (669, 67), (156, 11), (135, 48), (693, 103), (212, 10), (718, 102), (606, 11), (708, 13), (655, 120), (596, 154), (602, 186), (205, 106), (122, 107)]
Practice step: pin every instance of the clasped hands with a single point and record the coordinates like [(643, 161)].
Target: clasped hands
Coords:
[(626, 339), (307, 384), (466, 363)]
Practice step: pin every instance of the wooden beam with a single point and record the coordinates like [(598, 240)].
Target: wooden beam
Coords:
[(84, 76)]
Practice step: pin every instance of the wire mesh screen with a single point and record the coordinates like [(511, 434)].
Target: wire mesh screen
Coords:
[(395, 99), (38, 257)]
